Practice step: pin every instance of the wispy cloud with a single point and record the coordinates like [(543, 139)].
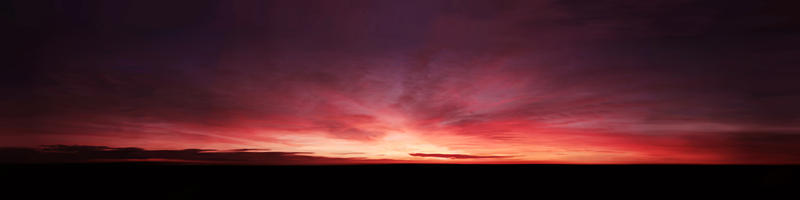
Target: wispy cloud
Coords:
[(454, 156), (83, 153)]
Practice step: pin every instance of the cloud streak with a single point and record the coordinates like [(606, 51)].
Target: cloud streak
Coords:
[(454, 156), (83, 153)]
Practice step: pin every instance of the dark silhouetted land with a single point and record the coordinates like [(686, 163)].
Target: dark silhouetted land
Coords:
[(188, 181)]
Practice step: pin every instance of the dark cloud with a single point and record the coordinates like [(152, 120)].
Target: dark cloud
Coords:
[(454, 156), (82, 153)]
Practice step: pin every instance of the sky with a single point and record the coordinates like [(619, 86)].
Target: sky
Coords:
[(413, 81)]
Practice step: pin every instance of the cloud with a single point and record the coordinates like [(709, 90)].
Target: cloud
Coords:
[(83, 153), (454, 156)]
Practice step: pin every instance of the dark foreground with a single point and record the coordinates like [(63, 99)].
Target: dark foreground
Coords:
[(192, 181)]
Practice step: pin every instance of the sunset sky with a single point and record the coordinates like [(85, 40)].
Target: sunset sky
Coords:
[(411, 81)]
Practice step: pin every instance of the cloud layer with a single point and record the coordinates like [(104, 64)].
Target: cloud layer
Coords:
[(82, 153), (454, 156)]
